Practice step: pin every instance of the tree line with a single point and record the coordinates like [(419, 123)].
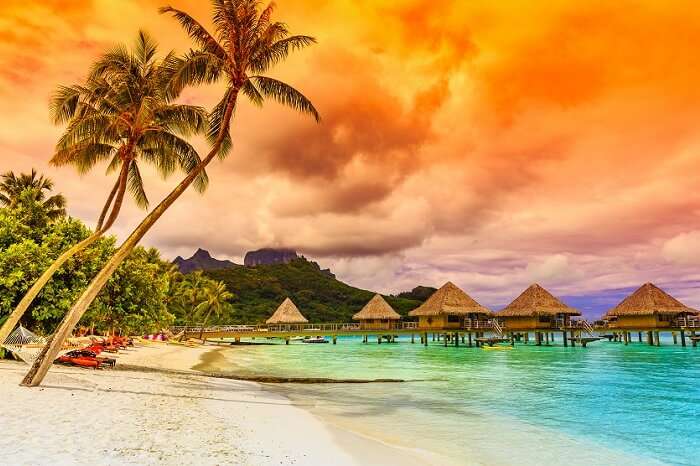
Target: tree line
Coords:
[(146, 293), (126, 112)]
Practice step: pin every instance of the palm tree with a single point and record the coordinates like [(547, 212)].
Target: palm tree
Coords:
[(246, 43), (215, 300), (123, 114), (13, 187), (189, 294)]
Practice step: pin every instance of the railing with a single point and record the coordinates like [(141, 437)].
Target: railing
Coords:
[(310, 328), (687, 322), (474, 324), (497, 327)]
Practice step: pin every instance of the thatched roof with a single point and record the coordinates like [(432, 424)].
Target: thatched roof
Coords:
[(649, 299), (449, 300), (377, 308), (287, 313), (536, 301)]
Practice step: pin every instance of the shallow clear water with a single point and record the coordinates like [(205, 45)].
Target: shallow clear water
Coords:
[(605, 404)]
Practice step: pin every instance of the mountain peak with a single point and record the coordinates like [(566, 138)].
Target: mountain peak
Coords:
[(201, 254), (268, 256), (201, 260)]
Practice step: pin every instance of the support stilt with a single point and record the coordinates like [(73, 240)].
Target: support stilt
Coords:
[(683, 338)]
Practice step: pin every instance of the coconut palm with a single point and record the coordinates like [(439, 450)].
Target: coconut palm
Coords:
[(246, 43), (122, 115), (216, 299), (189, 294), (12, 188)]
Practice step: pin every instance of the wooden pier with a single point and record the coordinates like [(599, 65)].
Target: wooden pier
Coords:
[(574, 333)]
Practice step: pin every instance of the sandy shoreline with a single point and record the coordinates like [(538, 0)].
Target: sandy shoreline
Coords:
[(150, 417)]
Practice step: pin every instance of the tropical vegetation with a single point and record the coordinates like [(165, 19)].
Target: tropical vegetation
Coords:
[(121, 115), (319, 295), (145, 294), (246, 43)]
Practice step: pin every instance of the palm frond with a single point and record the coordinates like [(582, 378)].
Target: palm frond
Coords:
[(196, 31), (250, 91), (277, 52), (145, 48), (216, 124), (64, 103), (285, 94), (135, 185), (195, 68), (187, 120)]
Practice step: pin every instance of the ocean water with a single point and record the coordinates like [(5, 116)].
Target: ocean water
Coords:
[(607, 404)]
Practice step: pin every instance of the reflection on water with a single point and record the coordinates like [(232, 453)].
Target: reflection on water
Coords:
[(606, 404)]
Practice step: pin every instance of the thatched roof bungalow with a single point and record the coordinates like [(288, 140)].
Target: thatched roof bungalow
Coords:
[(449, 307), (287, 314), (535, 308), (649, 307), (377, 314)]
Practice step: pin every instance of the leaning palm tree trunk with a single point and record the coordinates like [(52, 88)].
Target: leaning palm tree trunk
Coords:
[(100, 230), (204, 324), (49, 353)]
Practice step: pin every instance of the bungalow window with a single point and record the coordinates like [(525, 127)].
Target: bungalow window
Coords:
[(453, 319)]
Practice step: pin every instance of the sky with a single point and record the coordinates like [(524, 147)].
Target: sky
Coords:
[(494, 144)]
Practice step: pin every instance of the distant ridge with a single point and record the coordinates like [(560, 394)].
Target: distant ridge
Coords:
[(269, 256), (318, 294), (201, 260)]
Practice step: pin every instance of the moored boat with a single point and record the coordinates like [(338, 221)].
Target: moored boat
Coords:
[(318, 339)]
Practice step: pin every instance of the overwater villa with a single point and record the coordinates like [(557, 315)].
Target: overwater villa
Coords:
[(451, 308), (536, 310), (650, 309), (377, 314), (287, 317)]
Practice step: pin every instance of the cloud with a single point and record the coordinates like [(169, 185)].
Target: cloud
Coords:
[(683, 249), (478, 142)]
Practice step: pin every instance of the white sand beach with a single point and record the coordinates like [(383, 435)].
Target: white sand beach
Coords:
[(117, 417)]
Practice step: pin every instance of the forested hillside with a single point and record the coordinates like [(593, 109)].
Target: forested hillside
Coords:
[(319, 296)]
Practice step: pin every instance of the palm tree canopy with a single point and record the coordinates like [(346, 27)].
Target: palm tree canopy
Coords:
[(245, 45), (216, 298), (16, 189), (122, 113)]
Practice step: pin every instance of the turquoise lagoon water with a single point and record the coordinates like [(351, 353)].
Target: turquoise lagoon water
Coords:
[(606, 404)]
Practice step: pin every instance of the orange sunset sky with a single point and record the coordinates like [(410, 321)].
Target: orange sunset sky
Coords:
[(492, 143)]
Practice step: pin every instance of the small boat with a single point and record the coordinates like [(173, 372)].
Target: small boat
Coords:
[(297, 338), (497, 347), (314, 340)]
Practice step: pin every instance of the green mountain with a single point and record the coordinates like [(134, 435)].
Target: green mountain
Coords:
[(317, 293)]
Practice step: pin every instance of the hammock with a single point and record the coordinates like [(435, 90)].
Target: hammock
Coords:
[(27, 345)]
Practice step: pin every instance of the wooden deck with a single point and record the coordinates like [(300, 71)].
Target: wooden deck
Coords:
[(480, 332)]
